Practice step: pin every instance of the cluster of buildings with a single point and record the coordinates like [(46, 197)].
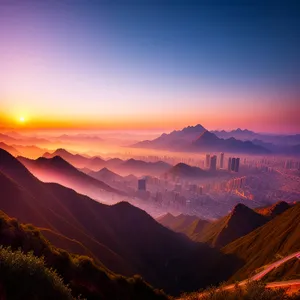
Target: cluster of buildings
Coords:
[(236, 183), (290, 164), (211, 162), (233, 164)]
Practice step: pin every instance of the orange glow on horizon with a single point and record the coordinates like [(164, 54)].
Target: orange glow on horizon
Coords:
[(164, 122)]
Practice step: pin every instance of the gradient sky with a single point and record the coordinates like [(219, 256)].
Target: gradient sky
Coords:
[(150, 64)]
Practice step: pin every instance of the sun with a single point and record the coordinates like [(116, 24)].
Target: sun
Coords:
[(22, 119)]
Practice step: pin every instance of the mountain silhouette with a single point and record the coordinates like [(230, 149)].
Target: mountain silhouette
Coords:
[(279, 143), (197, 139), (106, 175), (185, 171), (176, 140), (140, 167), (182, 223), (76, 160), (58, 170), (210, 142)]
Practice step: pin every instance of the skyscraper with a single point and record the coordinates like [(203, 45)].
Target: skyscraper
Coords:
[(142, 184), (233, 163), (221, 160), (229, 164), (237, 164), (213, 163), (207, 161)]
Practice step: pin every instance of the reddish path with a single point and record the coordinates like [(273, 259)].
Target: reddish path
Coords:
[(293, 284)]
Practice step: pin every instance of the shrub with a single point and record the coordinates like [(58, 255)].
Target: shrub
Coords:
[(25, 276)]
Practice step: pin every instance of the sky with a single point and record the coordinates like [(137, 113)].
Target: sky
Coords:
[(141, 64)]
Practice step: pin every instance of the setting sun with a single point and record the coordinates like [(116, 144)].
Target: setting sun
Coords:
[(22, 119)]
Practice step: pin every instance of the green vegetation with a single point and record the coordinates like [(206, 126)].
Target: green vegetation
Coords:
[(25, 276), (252, 291), (80, 273)]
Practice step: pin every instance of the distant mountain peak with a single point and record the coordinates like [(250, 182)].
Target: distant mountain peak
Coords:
[(184, 170), (61, 151), (208, 135), (239, 222), (240, 208), (196, 128)]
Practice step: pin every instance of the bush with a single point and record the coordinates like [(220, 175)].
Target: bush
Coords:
[(81, 273), (25, 276)]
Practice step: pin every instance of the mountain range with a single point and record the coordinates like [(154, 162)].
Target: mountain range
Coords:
[(19, 139), (198, 139), (124, 167), (60, 171), (239, 222), (123, 239), (248, 135), (280, 144), (164, 258), (76, 160), (12, 150)]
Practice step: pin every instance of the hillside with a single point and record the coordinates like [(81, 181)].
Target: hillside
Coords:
[(105, 175), (182, 223), (24, 276), (182, 170), (239, 222), (76, 160), (58, 170), (279, 236), (165, 259), (140, 167), (273, 210), (287, 271), (79, 272), (176, 223)]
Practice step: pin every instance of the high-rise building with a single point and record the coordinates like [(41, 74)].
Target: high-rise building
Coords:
[(229, 164), (142, 184), (233, 163), (237, 164), (222, 160), (207, 161), (213, 163)]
